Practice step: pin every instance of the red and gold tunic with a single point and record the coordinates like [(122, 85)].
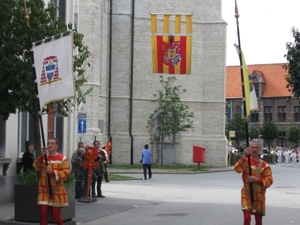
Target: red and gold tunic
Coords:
[(261, 170), (61, 170)]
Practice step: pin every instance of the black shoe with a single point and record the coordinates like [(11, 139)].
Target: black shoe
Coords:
[(101, 196), (107, 181), (150, 177)]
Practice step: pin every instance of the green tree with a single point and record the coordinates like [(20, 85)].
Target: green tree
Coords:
[(269, 132), (17, 88), (237, 124), (293, 136), (293, 66), (253, 133), (171, 116)]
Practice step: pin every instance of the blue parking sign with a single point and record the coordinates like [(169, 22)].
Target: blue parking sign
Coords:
[(81, 128)]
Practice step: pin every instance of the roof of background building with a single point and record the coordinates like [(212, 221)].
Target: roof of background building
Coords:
[(274, 78)]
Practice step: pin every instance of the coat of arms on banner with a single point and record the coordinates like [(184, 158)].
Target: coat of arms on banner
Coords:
[(171, 52), (50, 71)]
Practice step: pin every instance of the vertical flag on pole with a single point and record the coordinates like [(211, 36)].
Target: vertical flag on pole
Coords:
[(53, 68), (249, 91), (171, 50)]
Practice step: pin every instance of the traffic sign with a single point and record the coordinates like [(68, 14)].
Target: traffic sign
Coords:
[(91, 153), (81, 129)]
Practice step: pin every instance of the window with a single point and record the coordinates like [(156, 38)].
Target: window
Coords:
[(297, 113), (238, 109), (256, 88), (281, 113), (2, 137), (61, 11), (26, 130), (281, 141), (254, 117), (59, 131), (268, 111)]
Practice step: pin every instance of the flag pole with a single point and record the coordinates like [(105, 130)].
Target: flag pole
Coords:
[(26, 17), (244, 102)]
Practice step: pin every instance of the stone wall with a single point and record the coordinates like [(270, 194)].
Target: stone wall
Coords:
[(205, 86)]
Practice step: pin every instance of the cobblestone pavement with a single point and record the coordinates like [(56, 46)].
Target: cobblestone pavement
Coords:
[(202, 198)]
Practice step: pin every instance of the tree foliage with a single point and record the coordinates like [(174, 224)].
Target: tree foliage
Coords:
[(237, 124), (293, 135), (293, 66), (269, 132), (253, 133), (17, 88), (171, 115)]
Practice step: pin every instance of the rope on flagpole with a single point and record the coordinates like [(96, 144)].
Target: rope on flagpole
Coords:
[(53, 37)]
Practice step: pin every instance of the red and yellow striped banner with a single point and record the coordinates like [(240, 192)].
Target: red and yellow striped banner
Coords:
[(171, 54)]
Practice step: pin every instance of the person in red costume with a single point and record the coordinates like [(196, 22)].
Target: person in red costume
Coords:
[(260, 179), (58, 169)]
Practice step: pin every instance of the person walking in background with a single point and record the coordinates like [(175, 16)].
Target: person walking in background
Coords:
[(58, 169), (146, 161), (260, 179), (28, 157)]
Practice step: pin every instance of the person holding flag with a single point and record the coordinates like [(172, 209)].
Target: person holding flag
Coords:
[(260, 180), (53, 196)]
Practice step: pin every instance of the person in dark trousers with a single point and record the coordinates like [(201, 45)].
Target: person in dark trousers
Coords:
[(28, 157), (99, 171), (146, 161), (80, 173)]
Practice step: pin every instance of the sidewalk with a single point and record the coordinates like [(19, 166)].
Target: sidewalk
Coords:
[(88, 212)]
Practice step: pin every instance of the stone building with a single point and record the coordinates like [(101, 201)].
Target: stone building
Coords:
[(119, 38), (275, 101)]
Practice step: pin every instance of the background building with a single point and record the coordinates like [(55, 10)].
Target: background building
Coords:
[(275, 101), (119, 38)]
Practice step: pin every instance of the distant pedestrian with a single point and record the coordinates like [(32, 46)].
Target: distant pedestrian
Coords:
[(146, 161), (80, 146), (80, 173), (28, 157), (99, 171), (260, 179)]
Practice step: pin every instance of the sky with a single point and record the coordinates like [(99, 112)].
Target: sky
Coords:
[(265, 28)]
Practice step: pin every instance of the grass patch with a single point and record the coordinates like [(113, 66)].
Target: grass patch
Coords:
[(118, 177), (166, 167)]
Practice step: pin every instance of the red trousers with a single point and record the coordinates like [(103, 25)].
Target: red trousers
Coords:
[(55, 213), (247, 218)]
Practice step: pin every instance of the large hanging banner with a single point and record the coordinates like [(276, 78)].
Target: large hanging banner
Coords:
[(171, 50), (53, 68)]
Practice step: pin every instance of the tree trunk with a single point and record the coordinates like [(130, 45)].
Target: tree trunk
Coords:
[(162, 152)]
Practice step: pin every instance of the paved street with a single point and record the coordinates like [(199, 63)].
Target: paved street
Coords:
[(209, 199), (176, 199)]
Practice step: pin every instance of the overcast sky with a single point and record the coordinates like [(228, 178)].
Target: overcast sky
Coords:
[(264, 29)]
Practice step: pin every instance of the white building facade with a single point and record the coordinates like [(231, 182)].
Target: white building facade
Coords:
[(118, 34)]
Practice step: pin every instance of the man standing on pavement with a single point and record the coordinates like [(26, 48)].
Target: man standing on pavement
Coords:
[(99, 171), (80, 146), (58, 169), (105, 164), (260, 180), (146, 161)]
